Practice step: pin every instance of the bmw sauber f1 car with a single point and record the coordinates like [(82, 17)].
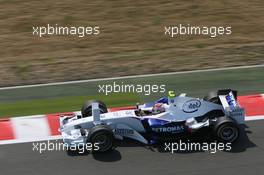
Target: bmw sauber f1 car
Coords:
[(168, 118)]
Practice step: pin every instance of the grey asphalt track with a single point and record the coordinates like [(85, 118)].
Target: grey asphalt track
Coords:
[(247, 157)]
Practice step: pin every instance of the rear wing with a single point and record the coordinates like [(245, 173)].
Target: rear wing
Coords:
[(231, 106)]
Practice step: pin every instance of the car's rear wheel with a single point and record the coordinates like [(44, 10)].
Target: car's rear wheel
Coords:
[(226, 130), (87, 108), (102, 138)]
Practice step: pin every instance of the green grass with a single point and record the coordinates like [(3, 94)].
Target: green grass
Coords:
[(63, 104)]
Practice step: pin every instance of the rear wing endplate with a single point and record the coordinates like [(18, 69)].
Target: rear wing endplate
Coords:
[(232, 108)]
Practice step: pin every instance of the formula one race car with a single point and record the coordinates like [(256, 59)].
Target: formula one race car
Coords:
[(168, 118)]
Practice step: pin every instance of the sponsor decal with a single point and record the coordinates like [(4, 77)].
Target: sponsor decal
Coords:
[(123, 113), (172, 129), (129, 112), (116, 114), (124, 131), (191, 106), (171, 94), (237, 112), (231, 100)]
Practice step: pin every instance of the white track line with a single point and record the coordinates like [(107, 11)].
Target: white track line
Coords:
[(132, 76), (5, 142), (252, 118), (31, 128)]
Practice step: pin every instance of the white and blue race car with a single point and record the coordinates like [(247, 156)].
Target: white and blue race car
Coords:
[(168, 118)]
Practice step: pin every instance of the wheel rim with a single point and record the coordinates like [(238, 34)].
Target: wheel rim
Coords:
[(101, 139), (229, 133), (104, 142)]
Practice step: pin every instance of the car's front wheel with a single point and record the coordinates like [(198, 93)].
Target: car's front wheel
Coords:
[(102, 138), (87, 108)]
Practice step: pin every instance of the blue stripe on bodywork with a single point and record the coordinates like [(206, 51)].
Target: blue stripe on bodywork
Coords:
[(156, 122)]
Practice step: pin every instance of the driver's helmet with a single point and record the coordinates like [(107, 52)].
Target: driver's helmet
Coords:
[(158, 108)]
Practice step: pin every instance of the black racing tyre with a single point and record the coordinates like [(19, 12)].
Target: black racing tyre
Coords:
[(87, 108), (227, 132), (212, 97), (102, 138)]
